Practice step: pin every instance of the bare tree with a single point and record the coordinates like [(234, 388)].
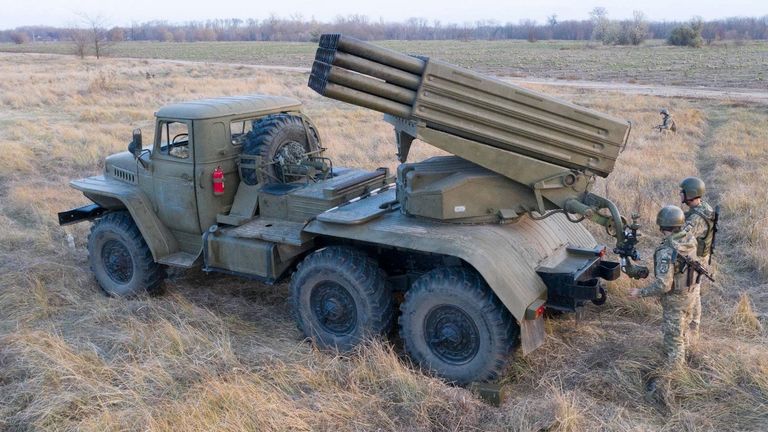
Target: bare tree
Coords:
[(97, 32), (116, 34), (639, 30), (601, 23), (20, 37), (81, 39), (552, 23), (530, 29), (552, 20)]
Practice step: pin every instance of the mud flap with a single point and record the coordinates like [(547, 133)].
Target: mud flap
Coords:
[(531, 334)]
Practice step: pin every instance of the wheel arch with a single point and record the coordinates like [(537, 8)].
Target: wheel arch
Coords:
[(445, 257), (505, 256), (114, 196)]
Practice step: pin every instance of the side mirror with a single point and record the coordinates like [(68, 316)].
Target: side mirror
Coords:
[(135, 145)]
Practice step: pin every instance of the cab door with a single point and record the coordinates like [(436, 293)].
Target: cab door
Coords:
[(219, 143), (173, 166)]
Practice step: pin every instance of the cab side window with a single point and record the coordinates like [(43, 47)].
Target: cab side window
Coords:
[(239, 129), (174, 139)]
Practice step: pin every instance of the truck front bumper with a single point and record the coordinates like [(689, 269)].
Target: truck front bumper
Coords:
[(81, 214)]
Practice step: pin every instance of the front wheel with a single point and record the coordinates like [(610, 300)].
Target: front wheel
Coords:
[(120, 258), (455, 326), (340, 296)]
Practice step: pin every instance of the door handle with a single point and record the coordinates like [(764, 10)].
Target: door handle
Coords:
[(186, 177), (200, 177)]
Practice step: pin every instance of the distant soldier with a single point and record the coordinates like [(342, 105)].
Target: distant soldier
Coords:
[(673, 281), (667, 122), (700, 222)]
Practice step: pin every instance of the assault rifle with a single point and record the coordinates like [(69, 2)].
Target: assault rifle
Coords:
[(713, 228), (714, 233), (671, 126), (693, 267)]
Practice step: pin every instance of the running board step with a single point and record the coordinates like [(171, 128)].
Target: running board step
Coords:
[(180, 259)]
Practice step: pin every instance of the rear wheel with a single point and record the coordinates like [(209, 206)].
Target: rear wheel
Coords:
[(453, 325), (340, 297), (120, 258)]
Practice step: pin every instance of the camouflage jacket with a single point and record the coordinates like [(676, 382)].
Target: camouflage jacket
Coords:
[(699, 222), (668, 278), (668, 123)]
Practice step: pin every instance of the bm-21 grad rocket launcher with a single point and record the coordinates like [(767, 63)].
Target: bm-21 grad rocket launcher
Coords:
[(474, 246), (545, 152)]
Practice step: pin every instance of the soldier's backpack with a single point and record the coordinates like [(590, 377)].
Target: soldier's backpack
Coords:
[(704, 245)]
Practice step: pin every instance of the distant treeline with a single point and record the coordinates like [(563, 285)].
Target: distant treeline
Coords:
[(301, 30)]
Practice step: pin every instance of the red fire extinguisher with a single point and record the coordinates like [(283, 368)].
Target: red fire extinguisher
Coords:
[(218, 181)]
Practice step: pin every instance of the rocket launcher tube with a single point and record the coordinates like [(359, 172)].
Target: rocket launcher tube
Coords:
[(336, 41), (363, 83), (377, 70), (356, 97), (486, 110)]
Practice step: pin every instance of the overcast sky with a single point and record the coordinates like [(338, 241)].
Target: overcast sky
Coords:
[(15, 13)]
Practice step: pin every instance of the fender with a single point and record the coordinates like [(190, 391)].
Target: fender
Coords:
[(507, 256), (113, 195)]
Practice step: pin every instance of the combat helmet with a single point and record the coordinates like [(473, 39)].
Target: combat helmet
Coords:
[(670, 217), (691, 188), (664, 112)]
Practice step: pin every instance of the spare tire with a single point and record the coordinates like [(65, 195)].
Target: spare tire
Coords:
[(279, 138)]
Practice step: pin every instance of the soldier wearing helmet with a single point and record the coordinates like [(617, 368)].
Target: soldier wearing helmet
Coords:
[(671, 281), (667, 122), (700, 220)]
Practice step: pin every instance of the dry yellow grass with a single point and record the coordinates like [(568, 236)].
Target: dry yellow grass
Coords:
[(216, 352)]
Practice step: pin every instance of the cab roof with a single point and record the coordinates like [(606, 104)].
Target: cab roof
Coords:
[(228, 106)]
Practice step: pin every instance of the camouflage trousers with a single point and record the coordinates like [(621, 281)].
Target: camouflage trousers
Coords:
[(695, 316), (676, 317)]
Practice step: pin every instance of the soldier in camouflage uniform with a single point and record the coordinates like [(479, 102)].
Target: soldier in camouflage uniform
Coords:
[(671, 281), (699, 219), (667, 122)]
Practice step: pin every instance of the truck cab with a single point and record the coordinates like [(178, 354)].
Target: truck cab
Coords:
[(167, 185)]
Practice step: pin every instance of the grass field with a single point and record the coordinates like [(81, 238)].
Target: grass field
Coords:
[(721, 65), (220, 353)]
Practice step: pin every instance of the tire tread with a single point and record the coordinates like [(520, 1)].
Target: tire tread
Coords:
[(501, 322), (363, 271), (152, 273), (261, 140)]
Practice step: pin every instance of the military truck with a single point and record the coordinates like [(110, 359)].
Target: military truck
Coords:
[(465, 252)]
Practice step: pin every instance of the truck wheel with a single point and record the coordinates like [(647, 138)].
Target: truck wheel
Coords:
[(453, 325), (340, 296), (278, 138), (120, 258)]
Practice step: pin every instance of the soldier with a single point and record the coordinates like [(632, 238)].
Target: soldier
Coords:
[(667, 122), (700, 220), (671, 281)]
